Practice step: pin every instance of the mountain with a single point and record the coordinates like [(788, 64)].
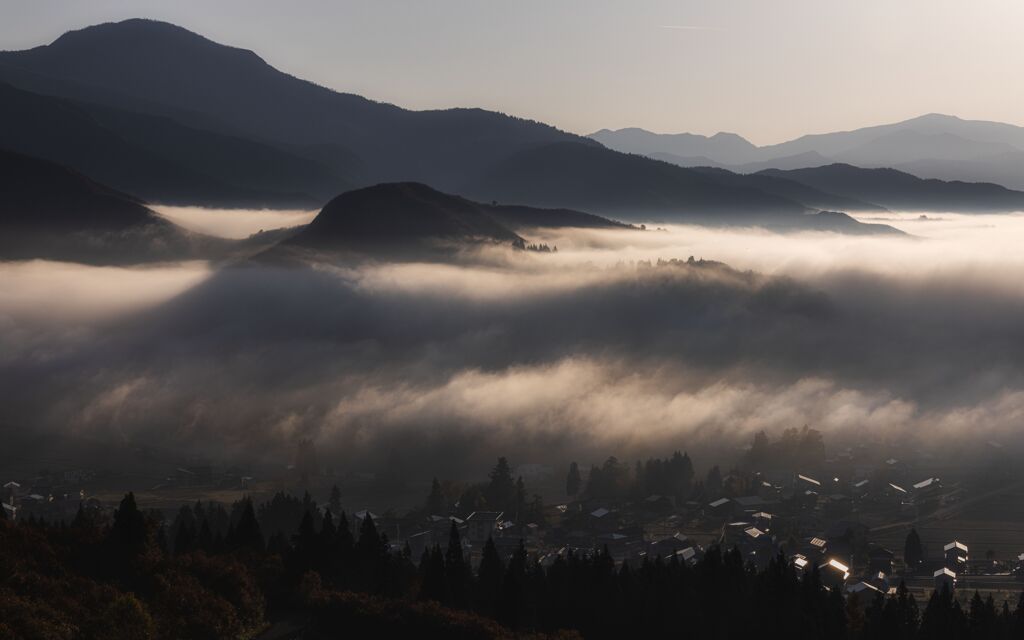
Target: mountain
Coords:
[(631, 187), (50, 211), (901, 191), (916, 138), (790, 189), (175, 117), (158, 158), (400, 214), (162, 69), (409, 217), (929, 146), (721, 148)]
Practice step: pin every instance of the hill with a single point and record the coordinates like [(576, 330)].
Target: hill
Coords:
[(50, 211), (412, 217), (400, 214), (901, 191)]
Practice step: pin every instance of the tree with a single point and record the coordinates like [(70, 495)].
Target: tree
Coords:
[(501, 490), (247, 534), (913, 550), (713, 482), (435, 501), (572, 480), (334, 502), (128, 533), (489, 577), (432, 578), (457, 573), (520, 503)]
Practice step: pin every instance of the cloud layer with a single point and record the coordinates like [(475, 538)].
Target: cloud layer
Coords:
[(584, 352)]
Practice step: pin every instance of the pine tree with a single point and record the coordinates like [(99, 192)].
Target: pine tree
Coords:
[(432, 575), (457, 574), (501, 490), (435, 501), (573, 480), (913, 550), (520, 503), (246, 534), (205, 540), (128, 533), (489, 578), (334, 502)]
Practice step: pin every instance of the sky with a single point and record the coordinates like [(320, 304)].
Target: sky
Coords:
[(769, 71)]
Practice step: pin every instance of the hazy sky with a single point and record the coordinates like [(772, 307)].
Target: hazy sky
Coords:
[(768, 70)]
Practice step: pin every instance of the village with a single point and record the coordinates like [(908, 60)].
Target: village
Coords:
[(865, 524)]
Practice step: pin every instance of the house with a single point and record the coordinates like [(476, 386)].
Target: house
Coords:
[(817, 546), (719, 506), (481, 525), (808, 482), (864, 591), (834, 573), (927, 491), (13, 490), (944, 578), (689, 555), (860, 488), (420, 542), (879, 580), (666, 547), (801, 562), (955, 555), (763, 520)]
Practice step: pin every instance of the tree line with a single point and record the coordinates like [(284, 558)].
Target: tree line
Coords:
[(122, 579)]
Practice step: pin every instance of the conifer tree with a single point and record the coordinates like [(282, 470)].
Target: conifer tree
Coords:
[(913, 550), (435, 501), (247, 535), (573, 480)]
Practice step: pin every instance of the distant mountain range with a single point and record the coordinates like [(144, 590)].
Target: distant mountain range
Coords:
[(155, 110), (930, 146)]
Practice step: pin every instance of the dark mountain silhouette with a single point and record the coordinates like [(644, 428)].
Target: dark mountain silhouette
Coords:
[(225, 96), (158, 158), (839, 222), (898, 190), (50, 211), (412, 217), (162, 68), (629, 186), (790, 189), (521, 217)]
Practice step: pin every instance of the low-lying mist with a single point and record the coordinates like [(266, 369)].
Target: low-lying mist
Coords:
[(592, 350), (234, 223)]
